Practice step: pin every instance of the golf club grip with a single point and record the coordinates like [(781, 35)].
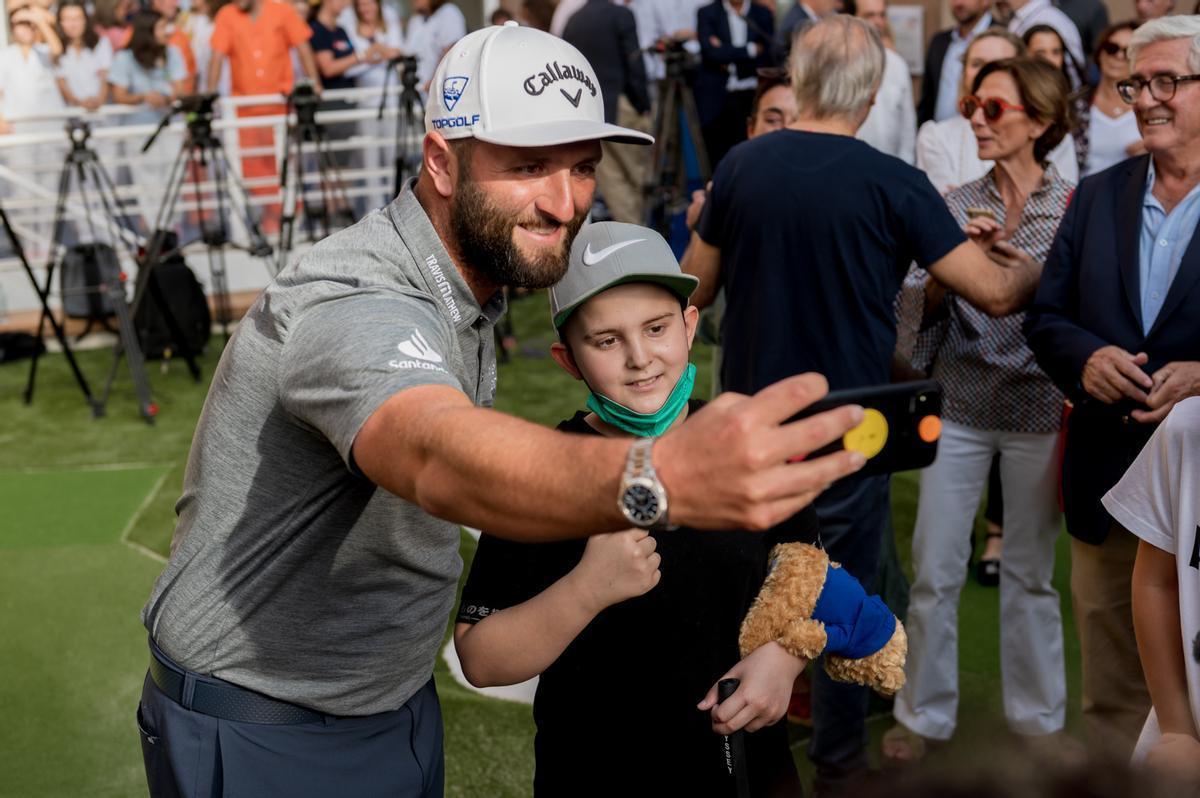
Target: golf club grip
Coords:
[(734, 745)]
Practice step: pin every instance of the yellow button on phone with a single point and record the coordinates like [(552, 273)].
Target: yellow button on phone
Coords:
[(869, 437)]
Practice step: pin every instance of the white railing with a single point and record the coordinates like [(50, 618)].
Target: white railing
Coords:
[(32, 158)]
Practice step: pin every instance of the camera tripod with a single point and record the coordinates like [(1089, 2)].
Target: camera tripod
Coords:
[(201, 151), (83, 163), (666, 189), (47, 314), (410, 116), (334, 206)]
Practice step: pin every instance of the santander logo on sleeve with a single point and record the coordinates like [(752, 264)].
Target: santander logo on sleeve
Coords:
[(419, 354)]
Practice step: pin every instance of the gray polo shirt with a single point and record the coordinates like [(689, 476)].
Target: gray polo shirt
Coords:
[(291, 573)]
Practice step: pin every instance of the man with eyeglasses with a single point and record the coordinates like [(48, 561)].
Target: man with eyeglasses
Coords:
[(1114, 324)]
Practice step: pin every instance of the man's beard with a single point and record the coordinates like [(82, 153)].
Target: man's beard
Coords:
[(484, 234)]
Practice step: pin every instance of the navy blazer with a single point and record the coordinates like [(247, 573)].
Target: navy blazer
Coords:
[(1089, 297), (935, 57), (713, 77)]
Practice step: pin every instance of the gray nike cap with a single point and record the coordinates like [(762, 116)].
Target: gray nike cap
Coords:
[(606, 254)]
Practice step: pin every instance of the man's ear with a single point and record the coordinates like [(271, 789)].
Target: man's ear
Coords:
[(691, 319), (563, 357), (440, 162)]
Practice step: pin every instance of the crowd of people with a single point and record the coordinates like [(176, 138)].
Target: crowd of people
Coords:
[(82, 55), (1020, 230)]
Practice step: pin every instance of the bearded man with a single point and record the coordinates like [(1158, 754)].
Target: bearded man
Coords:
[(347, 434)]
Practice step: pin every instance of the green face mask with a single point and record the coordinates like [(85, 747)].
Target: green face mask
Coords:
[(645, 425)]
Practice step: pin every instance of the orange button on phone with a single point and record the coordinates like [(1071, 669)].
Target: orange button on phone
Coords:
[(930, 429)]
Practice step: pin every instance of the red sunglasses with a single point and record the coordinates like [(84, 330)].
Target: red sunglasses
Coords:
[(993, 107)]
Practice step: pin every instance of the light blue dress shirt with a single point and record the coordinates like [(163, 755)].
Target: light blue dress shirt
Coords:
[(127, 73), (952, 69), (1165, 237)]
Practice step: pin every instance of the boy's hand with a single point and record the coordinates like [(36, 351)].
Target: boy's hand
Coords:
[(1178, 756), (767, 675), (617, 566)]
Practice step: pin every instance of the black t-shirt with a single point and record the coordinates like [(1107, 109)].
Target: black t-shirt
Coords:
[(621, 699), (337, 41), (816, 233)]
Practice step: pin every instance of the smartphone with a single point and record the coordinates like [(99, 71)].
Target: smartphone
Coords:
[(900, 429)]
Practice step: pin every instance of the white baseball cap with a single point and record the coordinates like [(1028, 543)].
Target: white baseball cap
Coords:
[(519, 87)]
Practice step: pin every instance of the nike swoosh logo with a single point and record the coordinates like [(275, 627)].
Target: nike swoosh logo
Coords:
[(572, 100), (592, 258)]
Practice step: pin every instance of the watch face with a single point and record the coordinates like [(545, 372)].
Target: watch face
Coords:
[(641, 505)]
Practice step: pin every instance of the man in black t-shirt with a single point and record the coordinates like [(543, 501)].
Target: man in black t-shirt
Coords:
[(810, 233)]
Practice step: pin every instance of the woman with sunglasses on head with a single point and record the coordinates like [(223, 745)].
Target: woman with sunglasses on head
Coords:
[(1112, 125), (946, 150), (997, 401)]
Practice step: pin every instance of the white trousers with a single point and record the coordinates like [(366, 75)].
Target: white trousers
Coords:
[(1031, 641)]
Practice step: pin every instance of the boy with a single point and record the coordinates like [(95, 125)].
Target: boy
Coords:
[(1156, 500), (626, 650)]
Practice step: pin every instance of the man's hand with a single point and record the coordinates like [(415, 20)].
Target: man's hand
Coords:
[(1178, 756), (1112, 374), (155, 99), (1171, 383), (616, 566), (728, 466), (767, 675)]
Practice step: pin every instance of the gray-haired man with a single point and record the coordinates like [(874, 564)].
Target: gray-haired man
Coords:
[(810, 232), (347, 435)]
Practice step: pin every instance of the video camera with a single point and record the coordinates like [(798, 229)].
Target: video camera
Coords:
[(195, 104), (198, 113), (304, 99), (78, 131), (674, 55), (408, 69)]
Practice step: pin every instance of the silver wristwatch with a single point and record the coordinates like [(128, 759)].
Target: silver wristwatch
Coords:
[(643, 499)]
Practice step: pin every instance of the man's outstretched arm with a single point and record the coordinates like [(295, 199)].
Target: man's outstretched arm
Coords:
[(726, 468)]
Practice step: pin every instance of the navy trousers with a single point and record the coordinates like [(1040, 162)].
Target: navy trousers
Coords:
[(855, 514), (393, 754)]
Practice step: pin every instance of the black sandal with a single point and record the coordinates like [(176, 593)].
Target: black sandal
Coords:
[(987, 572)]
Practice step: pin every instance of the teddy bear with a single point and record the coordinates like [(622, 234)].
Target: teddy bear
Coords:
[(809, 605)]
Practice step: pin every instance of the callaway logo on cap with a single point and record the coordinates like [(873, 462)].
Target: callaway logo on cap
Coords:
[(519, 87), (612, 253)]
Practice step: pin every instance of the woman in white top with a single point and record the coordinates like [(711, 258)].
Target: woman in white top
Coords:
[(947, 151), (373, 30), (891, 126), (1112, 130), (28, 89), (433, 29), (27, 83), (82, 69)]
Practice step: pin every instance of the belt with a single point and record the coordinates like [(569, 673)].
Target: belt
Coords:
[(220, 699)]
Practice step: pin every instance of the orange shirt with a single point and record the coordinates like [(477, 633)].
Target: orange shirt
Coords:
[(179, 40), (259, 50)]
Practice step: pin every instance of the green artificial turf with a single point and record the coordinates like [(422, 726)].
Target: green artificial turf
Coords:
[(84, 502), (73, 645)]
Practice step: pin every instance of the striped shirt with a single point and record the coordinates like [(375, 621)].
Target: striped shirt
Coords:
[(989, 374)]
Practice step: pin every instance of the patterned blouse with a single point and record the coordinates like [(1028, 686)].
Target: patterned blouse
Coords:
[(989, 375)]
